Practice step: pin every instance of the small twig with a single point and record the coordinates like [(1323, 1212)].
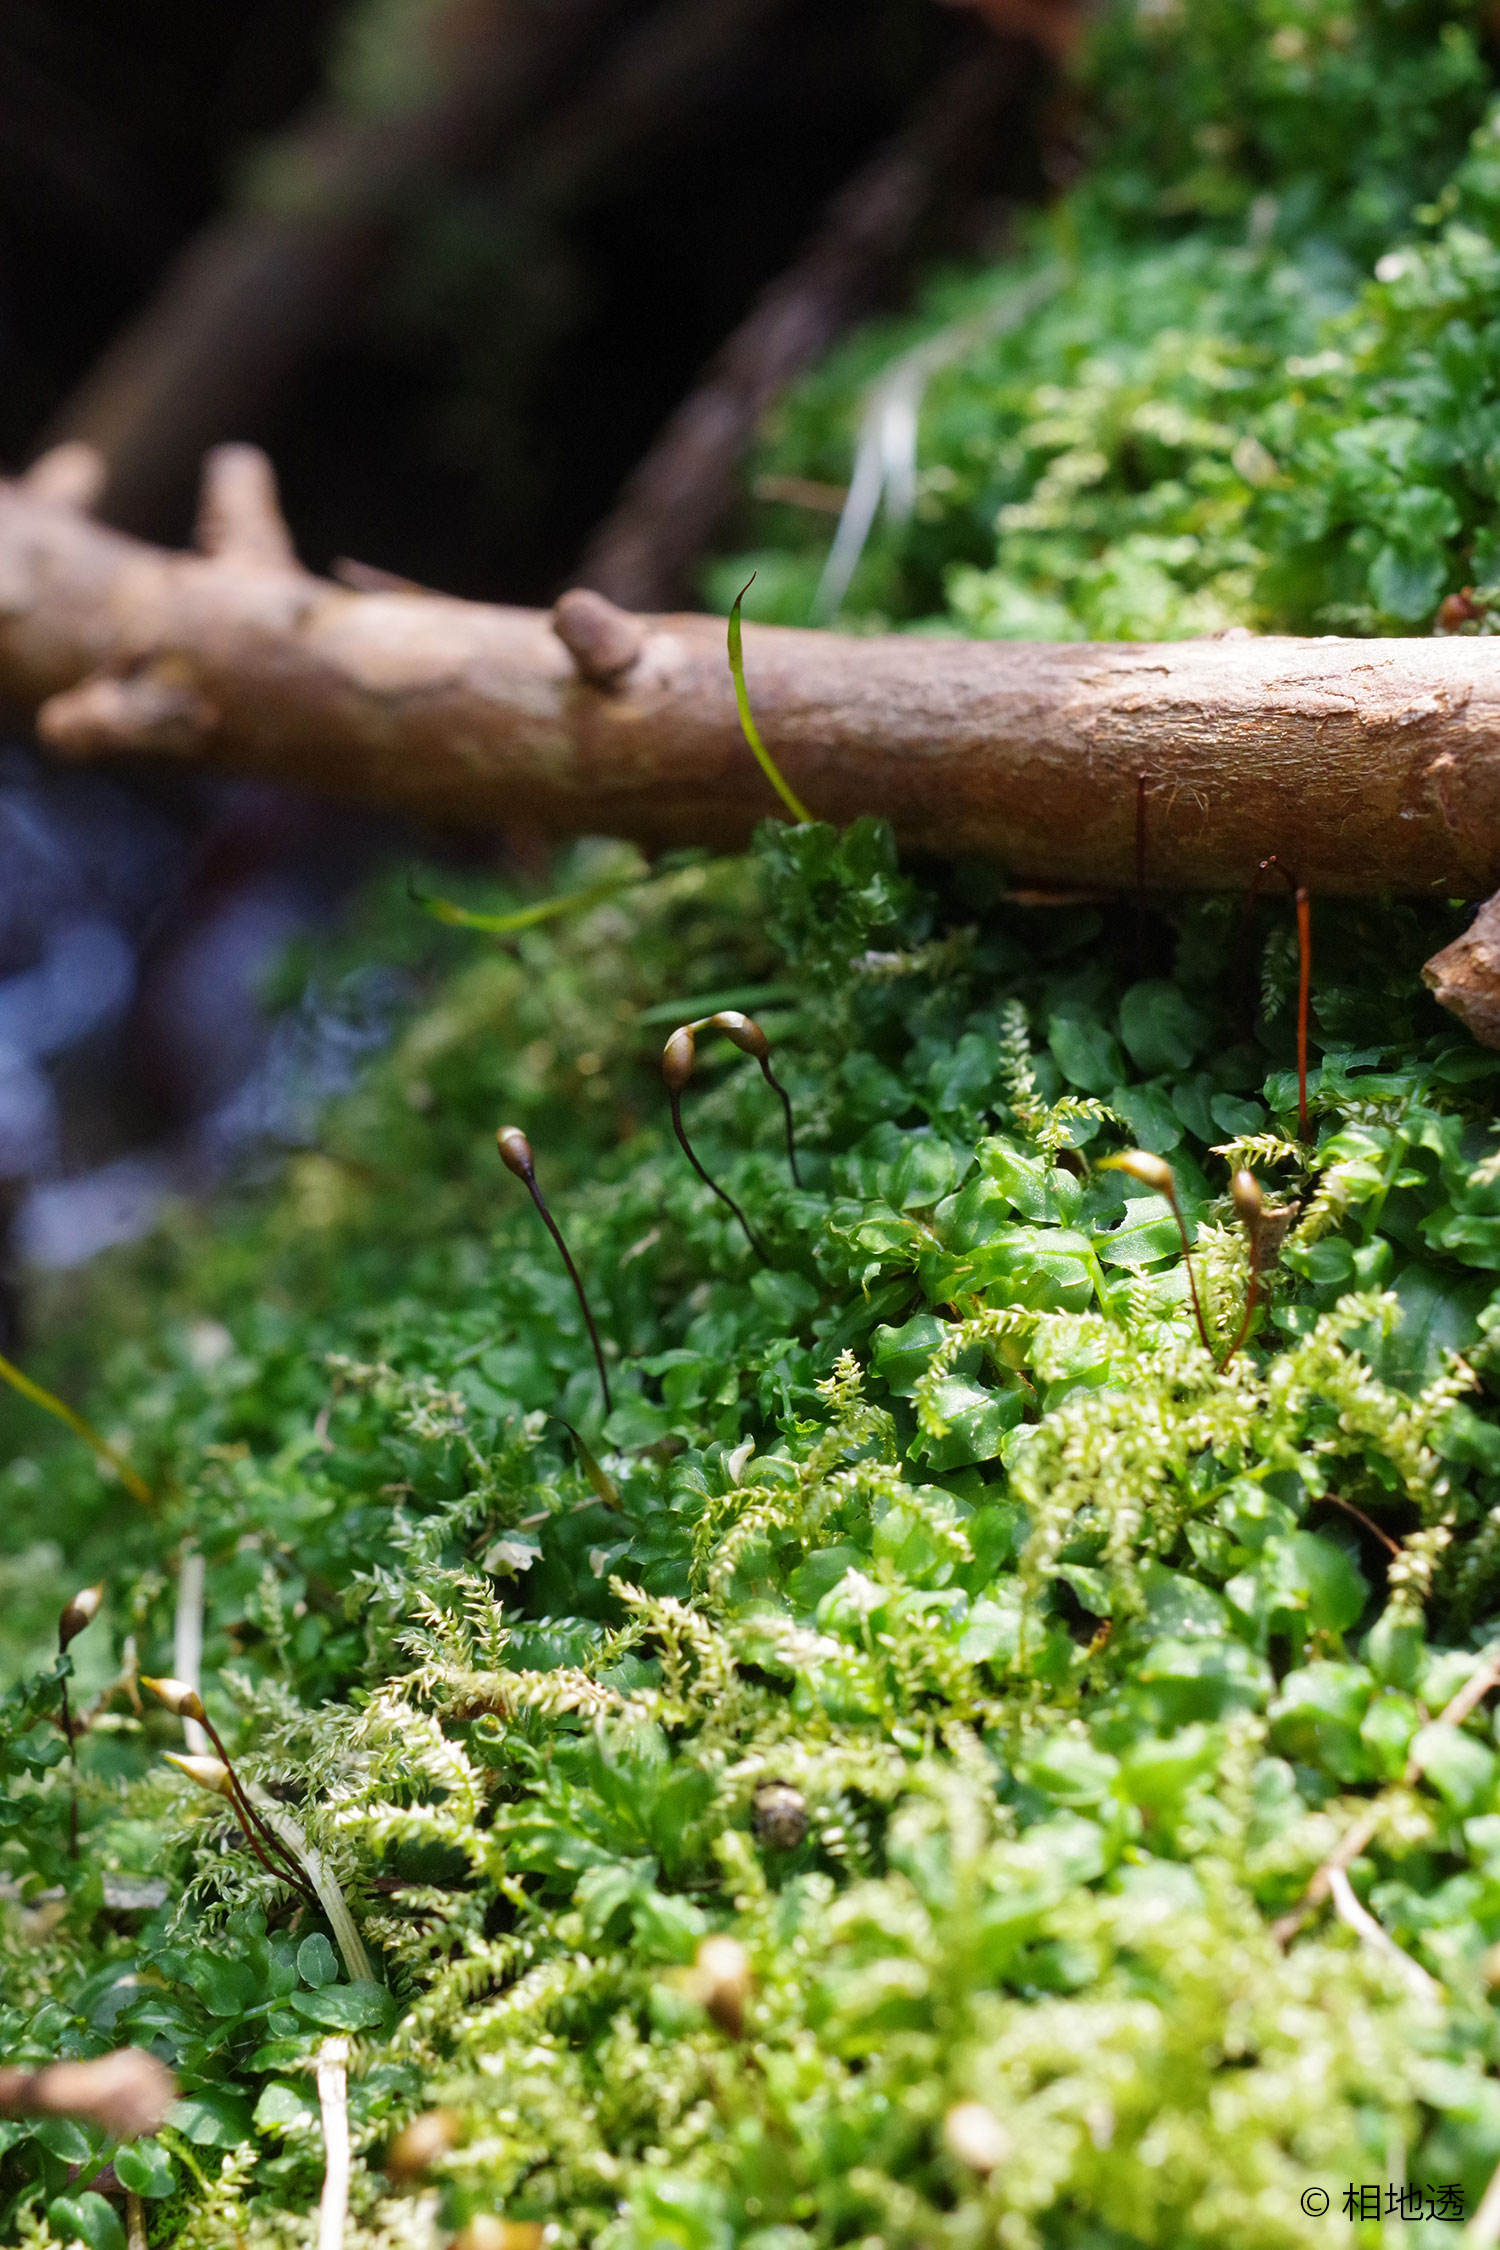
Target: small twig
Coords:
[(1249, 1205), (1155, 1172), (1336, 1500), (187, 1638), (50, 1403), (1484, 2228), (330, 1895), (1367, 1827), (748, 727), (1359, 1919), (220, 1780), (333, 2101), (125, 2093), (1303, 907), (76, 1614), (185, 1703)]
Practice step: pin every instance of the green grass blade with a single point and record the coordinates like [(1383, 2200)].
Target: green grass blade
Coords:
[(768, 765), (51, 1404), (523, 917)]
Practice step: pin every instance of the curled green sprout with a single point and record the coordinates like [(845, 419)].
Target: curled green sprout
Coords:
[(748, 727)]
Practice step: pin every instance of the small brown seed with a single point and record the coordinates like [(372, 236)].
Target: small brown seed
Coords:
[(420, 2144), (515, 1152), (721, 1981), (1244, 1188), (209, 1773), (1151, 1171), (182, 1701), (677, 1059), (779, 1816), (744, 1031)]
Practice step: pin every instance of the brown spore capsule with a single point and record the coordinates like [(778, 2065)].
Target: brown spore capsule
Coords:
[(1244, 1190), (779, 1816), (678, 1057), (78, 1613), (421, 2144)]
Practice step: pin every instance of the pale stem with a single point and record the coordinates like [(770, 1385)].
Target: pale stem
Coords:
[(333, 2100)]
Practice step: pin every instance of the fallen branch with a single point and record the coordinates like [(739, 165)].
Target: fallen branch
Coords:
[(1365, 765)]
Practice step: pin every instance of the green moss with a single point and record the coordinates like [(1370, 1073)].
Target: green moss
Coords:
[(1217, 417), (945, 1524)]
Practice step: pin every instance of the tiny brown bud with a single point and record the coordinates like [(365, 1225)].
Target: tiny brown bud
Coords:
[(779, 1816), (79, 1612), (485, 2232), (721, 1980), (976, 2136), (209, 1773), (1244, 1188), (1151, 1171), (515, 1152), (420, 2144), (677, 1059), (182, 1701)]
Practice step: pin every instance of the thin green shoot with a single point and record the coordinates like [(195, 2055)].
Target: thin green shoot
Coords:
[(605, 1488), (768, 765), (135, 1485), (522, 917)]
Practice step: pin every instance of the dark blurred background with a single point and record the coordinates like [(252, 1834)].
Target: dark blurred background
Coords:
[(505, 287)]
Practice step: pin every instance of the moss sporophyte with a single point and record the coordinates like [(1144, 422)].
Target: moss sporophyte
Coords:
[(992, 1741)]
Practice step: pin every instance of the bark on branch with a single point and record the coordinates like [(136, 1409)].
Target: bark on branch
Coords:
[(1365, 765)]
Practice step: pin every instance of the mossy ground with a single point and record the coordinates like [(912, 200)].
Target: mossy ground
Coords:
[(943, 1520), (935, 1614)]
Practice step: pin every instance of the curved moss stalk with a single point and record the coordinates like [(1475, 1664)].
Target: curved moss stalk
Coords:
[(515, 1155), (677, 1059)]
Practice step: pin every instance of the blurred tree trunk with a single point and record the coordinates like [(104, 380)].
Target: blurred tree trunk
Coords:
[(273, 278), (666, 516)]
